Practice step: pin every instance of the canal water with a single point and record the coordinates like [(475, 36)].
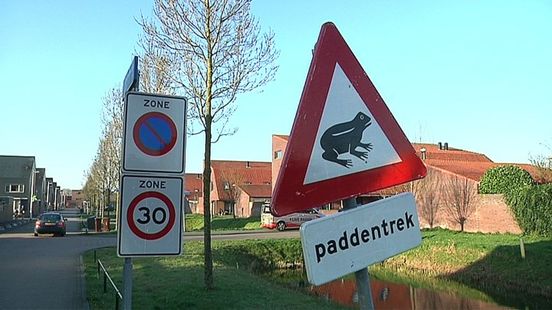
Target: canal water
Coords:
[(387, 295), (390, 295)]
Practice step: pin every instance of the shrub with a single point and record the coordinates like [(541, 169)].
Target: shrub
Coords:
[(504, 179), (532, 208), (260, 255)]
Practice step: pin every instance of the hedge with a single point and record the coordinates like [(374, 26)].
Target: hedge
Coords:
[(532, 208), (504, 179)]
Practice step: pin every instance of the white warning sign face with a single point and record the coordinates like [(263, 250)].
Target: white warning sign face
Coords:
[(349, 139)]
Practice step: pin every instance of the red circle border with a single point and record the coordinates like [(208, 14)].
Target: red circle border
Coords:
[(134, 204)]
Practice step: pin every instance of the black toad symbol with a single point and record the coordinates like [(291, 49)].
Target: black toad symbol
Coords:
[(345, 138)]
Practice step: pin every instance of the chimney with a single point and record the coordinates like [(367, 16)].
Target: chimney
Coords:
[(440, 145), (423, 152), (445, 147), (247, 164)]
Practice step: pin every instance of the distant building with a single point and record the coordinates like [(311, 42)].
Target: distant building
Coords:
[(491, 212), (17, 180), (193, 185), (50, 192), (239, 187), (40, 203), (74, 198)]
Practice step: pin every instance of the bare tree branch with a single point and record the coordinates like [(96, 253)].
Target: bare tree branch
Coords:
[(460, 198), (216, 52)]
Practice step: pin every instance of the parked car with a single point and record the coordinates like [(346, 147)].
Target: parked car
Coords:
[(50, 223), (293, 220)]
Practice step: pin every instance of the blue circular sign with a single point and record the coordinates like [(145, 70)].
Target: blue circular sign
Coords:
[(155, 134)]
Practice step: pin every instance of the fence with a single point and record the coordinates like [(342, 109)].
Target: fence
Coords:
[(106, 277)]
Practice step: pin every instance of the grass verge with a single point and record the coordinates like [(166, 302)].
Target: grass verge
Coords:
[(482, 266), (194, 222), (177, 283)]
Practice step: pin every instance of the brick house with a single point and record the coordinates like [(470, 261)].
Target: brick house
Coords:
[(239, 186), (74, 198), (193, 185), (491, 214)]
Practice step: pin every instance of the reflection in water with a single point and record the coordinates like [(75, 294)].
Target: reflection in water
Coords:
[(388, 295)]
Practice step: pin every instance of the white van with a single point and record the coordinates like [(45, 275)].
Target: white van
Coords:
[(293, 220)]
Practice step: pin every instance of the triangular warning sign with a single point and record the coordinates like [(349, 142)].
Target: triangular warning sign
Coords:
[(344, 141)]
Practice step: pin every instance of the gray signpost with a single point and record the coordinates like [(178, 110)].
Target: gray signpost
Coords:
[(131, 82), (150, 220), (364, 290)]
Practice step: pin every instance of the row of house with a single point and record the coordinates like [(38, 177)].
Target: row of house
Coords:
[(25, 191), (241, 187)]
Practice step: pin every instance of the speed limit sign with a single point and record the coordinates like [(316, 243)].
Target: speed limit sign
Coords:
[(150, 217)]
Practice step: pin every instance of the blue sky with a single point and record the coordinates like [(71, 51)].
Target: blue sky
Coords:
[(475, 74)]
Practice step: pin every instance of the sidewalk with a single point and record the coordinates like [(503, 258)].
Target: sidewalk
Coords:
[(8, 226)]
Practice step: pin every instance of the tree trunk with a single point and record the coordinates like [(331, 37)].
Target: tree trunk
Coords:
[(208, 276)]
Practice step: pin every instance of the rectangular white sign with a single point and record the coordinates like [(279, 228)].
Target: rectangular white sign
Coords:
[(349, 241), (154, 137), (150, 216)]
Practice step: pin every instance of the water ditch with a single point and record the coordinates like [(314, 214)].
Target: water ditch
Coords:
[(392, 295)]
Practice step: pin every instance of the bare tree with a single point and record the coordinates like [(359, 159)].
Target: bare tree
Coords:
[(460, 198), (219, 52), (155, 67), (544, 167), (102, 178), (427, 194)]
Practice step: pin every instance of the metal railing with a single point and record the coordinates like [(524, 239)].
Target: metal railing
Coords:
[(106, 277)]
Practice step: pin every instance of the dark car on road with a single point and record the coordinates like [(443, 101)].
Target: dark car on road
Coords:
[(50, 223)]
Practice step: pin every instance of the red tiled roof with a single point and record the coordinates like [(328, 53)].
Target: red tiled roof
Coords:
[(433, 152), (471, 165), (258, 191), (283, 137), (465, 163), (240, 172), (193, 183)]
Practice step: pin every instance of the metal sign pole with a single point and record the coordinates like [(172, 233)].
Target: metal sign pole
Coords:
[(131, 81), (362, 278), (127, 284)]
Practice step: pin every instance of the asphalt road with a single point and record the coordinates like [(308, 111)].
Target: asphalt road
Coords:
[(45, 272)]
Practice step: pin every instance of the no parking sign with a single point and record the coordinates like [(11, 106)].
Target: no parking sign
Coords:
[(155, 131), (150, 222)]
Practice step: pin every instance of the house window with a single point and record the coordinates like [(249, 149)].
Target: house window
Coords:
[(278, 154), (15, 188), (226, 186)]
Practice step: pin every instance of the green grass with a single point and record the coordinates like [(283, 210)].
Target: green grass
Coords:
[(194, 222), (485, 266), (177, 283), (482, 266)]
